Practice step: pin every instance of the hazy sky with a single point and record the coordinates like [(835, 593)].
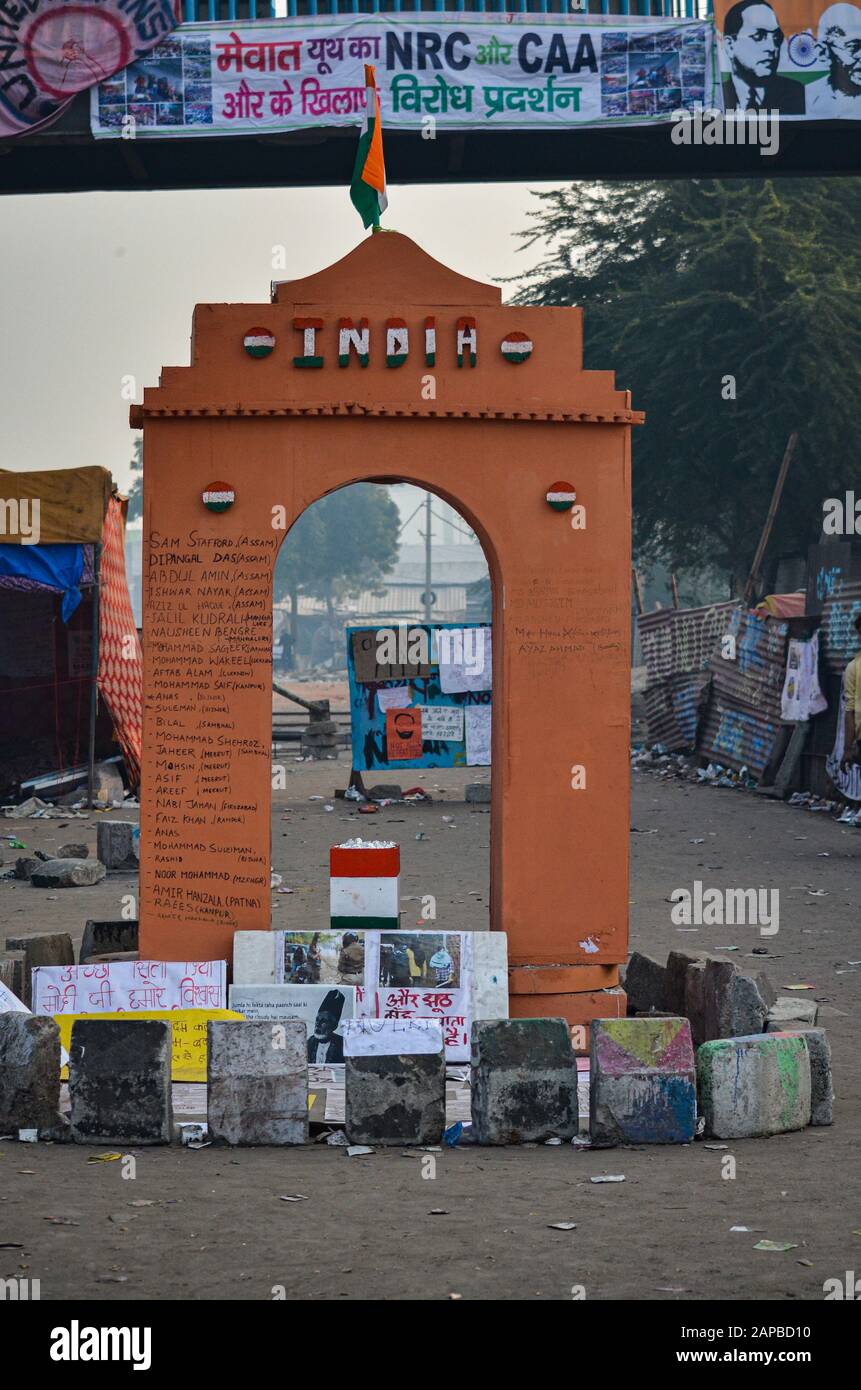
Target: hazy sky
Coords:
[(99, 286)]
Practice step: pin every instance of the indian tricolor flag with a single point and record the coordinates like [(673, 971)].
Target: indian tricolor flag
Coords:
[(368, 189), (364, 892)]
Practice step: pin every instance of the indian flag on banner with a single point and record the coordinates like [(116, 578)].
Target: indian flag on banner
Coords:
[(368, 188)]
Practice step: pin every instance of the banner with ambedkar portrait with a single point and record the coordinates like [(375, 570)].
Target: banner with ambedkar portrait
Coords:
[(457, 71)]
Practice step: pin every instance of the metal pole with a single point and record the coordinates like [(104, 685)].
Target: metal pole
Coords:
[(91, 756), (428, 563)]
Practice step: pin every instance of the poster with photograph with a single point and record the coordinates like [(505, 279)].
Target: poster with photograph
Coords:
[(321, 1009), (320, 958)]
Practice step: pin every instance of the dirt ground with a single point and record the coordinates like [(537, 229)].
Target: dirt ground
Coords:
[(375, 1227)]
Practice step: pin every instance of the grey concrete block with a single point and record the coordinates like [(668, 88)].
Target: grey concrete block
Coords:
[(119, 1081), (754, 1086), (645, 983), (478, 793), (101, 937), (12, 974), (116, 844), (395, 1100), (733, 1005), (694, 1003), (788, 1011), (67, 873), (821, 1083), (45, 948), (677, 964), (73, 852), (524, 1081), (29, 1074), (257, 1075), (24, 867)]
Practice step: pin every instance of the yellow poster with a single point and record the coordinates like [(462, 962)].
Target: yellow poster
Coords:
[(188, 1036), (799, 57)]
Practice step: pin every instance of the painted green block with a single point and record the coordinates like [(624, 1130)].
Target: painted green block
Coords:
[(752, 1086)]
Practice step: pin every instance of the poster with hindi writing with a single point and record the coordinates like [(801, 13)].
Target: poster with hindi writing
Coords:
[(129, 986), (460, 71)]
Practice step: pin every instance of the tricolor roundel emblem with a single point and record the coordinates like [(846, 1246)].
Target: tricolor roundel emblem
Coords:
[(259, 342), (218, 497), (516, 347), (560, 496)]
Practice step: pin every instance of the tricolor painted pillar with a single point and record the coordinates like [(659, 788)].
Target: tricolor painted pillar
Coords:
[(364, 885)]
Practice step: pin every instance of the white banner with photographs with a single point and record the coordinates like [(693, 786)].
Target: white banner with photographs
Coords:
[(464, 71), (398, 974)]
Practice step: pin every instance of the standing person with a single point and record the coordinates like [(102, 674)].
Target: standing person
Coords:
[(852, 705), (442, 963), (351, 959), (843, 764), (418, 963)]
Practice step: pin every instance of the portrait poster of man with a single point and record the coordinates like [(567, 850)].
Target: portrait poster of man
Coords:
[(799, 57)]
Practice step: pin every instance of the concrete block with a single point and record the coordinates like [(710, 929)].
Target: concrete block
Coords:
[(67, 873), (643, 1082), (821, 1084), (695, 1003), (24, 867), (46, 948), (107, 937), (733, 1005), (677, 965), (645, 983), (257, 1077), (29, 1074), (119, 1081), (73, 852), (788, 1011), (12, 973), (395, 1100), (478, 793), (117, 844), (754, 1086), (524, 1081), (254, 958)]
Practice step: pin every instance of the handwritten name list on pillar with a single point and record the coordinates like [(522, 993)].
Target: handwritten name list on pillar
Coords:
[(210, 640)]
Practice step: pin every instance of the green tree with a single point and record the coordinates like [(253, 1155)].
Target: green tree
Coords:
[(732, 311), (342, 544), (136, 490)]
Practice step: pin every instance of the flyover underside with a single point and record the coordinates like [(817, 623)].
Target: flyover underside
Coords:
[(67, 159)]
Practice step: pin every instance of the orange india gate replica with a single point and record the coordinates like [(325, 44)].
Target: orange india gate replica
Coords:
[(390, 367)]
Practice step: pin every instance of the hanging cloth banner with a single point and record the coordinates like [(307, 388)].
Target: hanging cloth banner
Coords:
[(120, 675), (51, 50), (459, 71)]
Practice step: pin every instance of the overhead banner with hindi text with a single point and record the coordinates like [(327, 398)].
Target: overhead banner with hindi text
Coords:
[(459, 71)]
